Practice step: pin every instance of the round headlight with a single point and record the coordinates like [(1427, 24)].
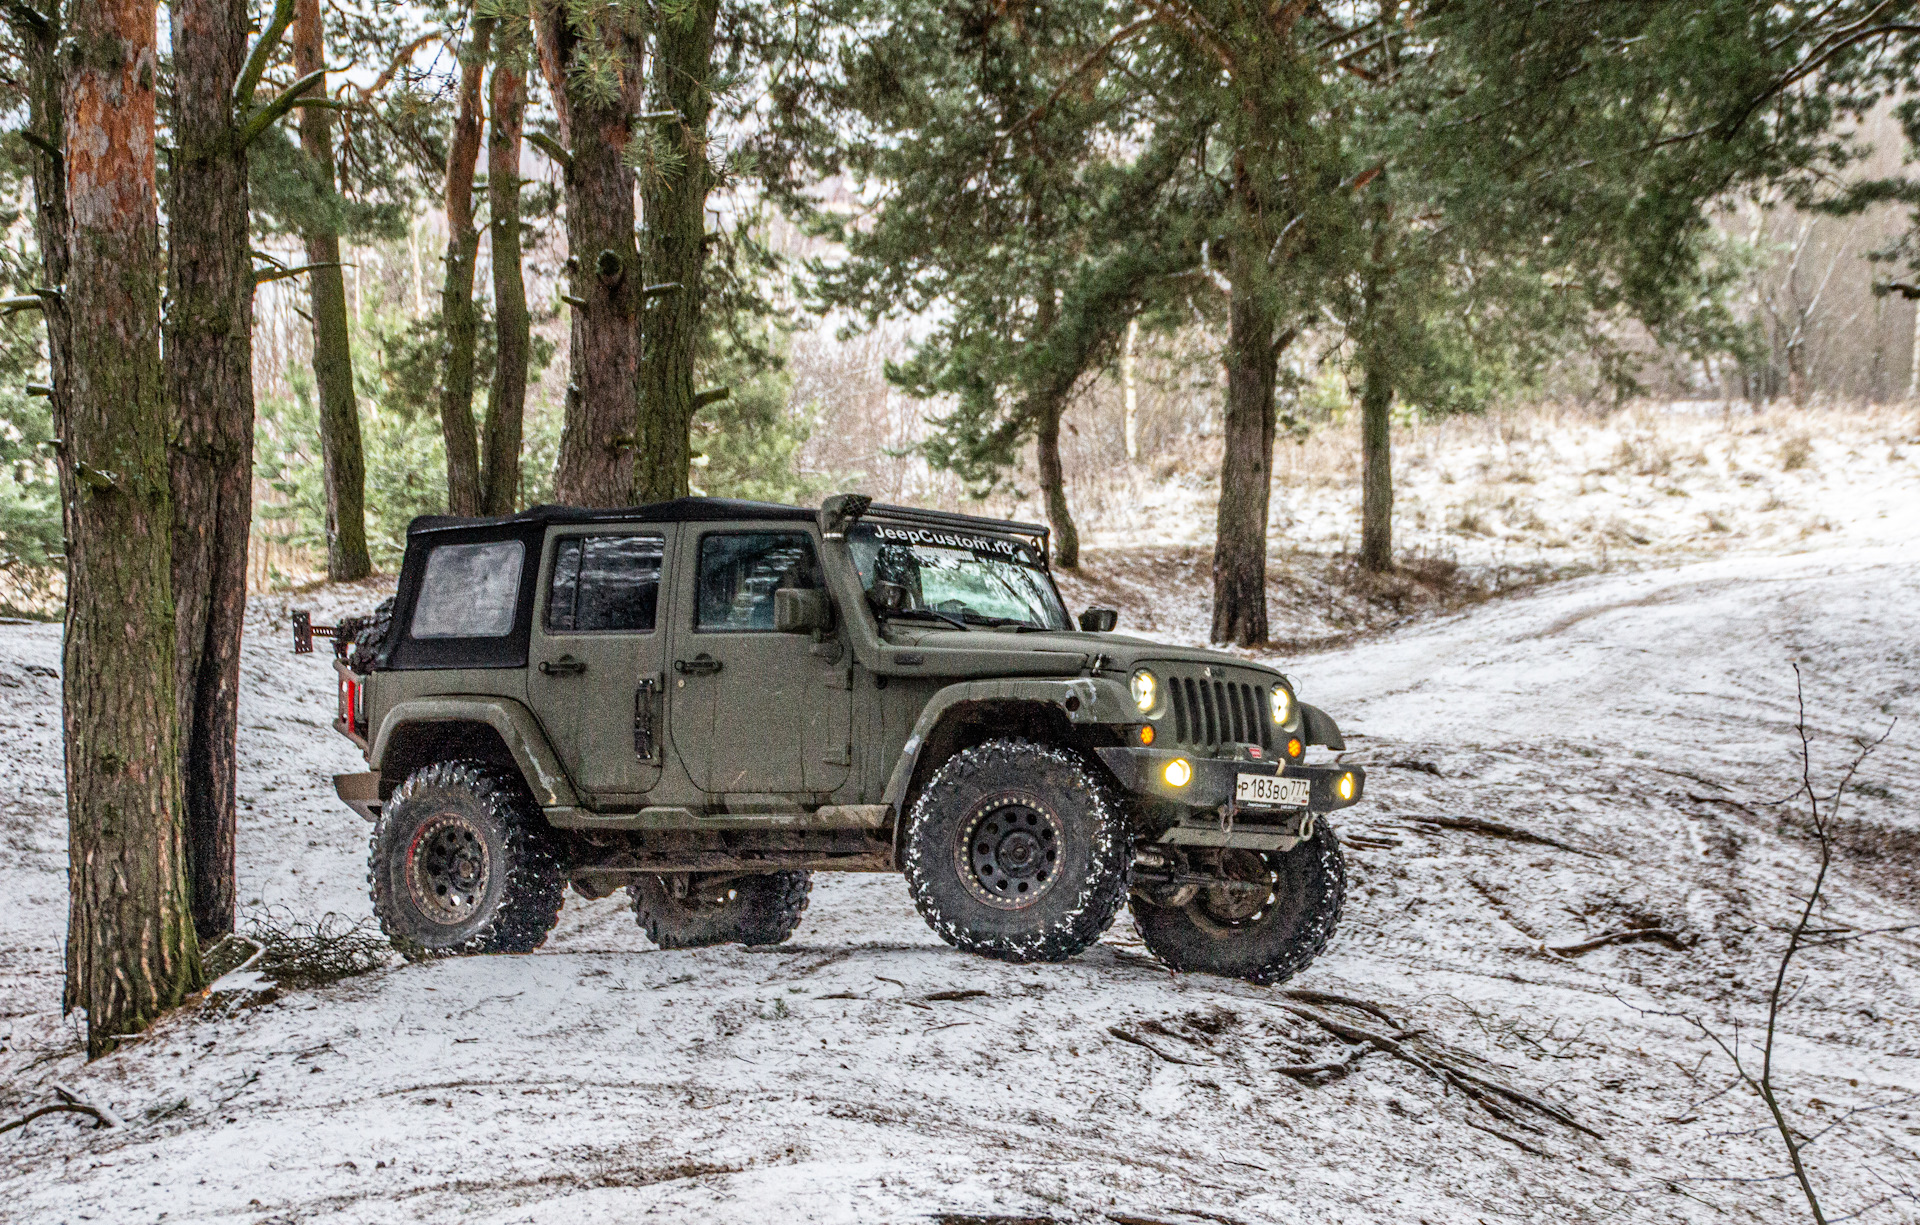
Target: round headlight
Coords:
[(1282, 702), (1179, 772), (1146, 690)]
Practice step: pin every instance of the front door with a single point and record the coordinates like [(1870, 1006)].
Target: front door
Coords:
[(757, 712), (598, 659)]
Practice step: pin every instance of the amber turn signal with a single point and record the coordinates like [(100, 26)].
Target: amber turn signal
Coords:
[(1295, 748), (1146, 734)]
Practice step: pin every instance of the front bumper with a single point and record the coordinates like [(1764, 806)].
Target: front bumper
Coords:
[(1141, 772), (1212, 817)]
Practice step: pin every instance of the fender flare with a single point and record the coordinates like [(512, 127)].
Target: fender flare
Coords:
[(1321, 729), (514, 723), (1080, 699)]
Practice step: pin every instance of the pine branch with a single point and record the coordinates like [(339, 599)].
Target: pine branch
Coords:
[(552, 148), (261, 56), (271, 113)]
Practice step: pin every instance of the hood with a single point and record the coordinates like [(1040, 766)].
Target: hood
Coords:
[(1123, 652)]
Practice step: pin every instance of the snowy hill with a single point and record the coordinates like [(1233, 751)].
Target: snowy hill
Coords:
[(1637, 727)]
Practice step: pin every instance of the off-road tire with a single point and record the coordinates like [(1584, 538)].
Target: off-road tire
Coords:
[(459, 812), (758, 910), (1290, 928), (966, 872)]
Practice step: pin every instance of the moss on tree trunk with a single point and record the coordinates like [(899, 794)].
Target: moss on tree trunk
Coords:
[(343, 460), (209, 337), (131, 952), (507, 398)]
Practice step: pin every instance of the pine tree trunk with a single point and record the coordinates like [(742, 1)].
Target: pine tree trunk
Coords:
[(458, 316), (1053, 486), (1376, 479), (39, 35), (342, 458), (603, 264), (209, 335), (676, 214), (1246, 464), (131, 952), (512, 327)]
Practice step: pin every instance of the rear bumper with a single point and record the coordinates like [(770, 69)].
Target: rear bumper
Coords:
[(360, 792), (1141, 772)]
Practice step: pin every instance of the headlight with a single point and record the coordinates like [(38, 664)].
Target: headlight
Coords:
[(1179, 772), (1146, 690), (1282, 703)]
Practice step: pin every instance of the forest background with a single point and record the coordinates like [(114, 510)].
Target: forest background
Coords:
[(285, 278)]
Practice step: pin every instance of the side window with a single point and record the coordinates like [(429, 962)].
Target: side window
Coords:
[(469, 591), (604, 583), (739, 572)]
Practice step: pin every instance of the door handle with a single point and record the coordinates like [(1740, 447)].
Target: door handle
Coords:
[(566, 665), (702, 664)]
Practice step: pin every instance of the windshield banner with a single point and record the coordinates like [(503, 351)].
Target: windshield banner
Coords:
[(991, 546)]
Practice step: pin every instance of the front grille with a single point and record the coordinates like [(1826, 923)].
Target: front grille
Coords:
[(1209, 712)]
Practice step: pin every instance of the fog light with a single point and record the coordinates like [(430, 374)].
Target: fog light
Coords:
[(1295, 748), (1179, 772), (1146, 734), (1345, 786)]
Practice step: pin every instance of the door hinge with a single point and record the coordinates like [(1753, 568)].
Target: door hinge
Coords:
[(839, 757), (645, 743)]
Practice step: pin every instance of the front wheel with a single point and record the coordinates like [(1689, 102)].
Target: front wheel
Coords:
[(1017, 851), (1270, 918), (462, 862)]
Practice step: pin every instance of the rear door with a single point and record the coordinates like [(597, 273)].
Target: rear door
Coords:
[(598, 656), (756, 712)]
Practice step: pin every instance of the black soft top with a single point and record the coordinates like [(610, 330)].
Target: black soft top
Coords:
[(680, 510)]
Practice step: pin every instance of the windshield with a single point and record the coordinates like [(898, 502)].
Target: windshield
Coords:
[(958, 577)]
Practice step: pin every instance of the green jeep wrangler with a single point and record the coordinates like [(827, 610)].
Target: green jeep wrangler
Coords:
[(707, 701)]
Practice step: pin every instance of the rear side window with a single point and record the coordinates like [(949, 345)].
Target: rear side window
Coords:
[(739, 572), (604, 583), (469, 591)]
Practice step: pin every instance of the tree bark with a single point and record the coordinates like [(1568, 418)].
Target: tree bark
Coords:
[(131, 952), (342, 457), (209, 338), (458, 318), (1053, 485), (39, 34), (603, 264), (512, 327), (1246, 464), (675, 207), (1376, 395)]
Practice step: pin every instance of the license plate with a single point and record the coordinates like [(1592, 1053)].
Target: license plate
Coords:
[(1269, 789)]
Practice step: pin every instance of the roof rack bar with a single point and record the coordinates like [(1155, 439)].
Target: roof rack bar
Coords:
[(947, 518)]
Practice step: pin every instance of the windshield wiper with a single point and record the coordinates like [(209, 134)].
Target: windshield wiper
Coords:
[(949, 618), (1018, 623)]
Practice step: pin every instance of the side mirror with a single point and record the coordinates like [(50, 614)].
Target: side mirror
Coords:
[(1099, 620), (801, 610)]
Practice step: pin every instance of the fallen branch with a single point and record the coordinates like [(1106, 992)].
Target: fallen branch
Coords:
[(1669, 938), (1124, 1036), (1335, 1067), (1714, 799), (57, 1108), (970, 994), (1495, 829), (1308, 996), (1513, 1140)]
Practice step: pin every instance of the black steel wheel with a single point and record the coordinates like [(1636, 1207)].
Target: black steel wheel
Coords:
[(1270, 917), (1017, 851), (461, 861), (691, 910)]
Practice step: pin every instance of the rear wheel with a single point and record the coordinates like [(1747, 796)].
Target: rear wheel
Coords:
[(1273, 915), (461, 861), (690, 910), (1017, 851)]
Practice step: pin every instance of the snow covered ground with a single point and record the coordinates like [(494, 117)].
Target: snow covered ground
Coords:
[(864, 1072)]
